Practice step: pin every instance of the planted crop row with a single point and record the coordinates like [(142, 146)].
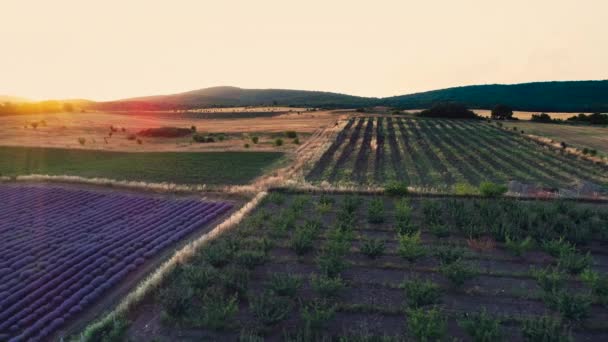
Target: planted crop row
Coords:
[(62, 249), (363, 268), (440, 153)]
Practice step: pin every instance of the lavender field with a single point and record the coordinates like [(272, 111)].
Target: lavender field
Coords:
[(61, 249)]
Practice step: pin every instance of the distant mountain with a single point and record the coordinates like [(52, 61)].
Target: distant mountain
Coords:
[(233, 96), (567, 96)]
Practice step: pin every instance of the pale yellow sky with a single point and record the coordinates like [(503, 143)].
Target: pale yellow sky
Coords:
[(119, 48)]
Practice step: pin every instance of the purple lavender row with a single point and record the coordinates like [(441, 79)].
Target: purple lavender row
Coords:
[(36, 307)]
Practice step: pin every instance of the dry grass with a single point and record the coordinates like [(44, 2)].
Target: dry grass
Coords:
[(63, 130), (593, 137)]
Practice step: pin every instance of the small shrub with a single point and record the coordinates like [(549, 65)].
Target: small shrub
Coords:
[(375, 211), (246, 145), (82, 141), (325, 286), (464, 189), (373, 248), (481, 327), (573, 307), (490, 189), (217, 310), (302, 240), (276, 198), (574, 263), (278, 142), (457, 272), (427, 325), (285, 284), (199, 277), (131, 137), (269, 308), (193, 128), (519, 247), (235, 279), (114, 330), (176, 300), (410, 246), (449, 254), (421, 292), (291, 134), (218, 254), (255, 139), (439, 230), (331, 264), (396, 189), (317, 314), (139, 141), (549, 279), (431, 212), (250, 257), (558, 247), (296, 141), (545, 328), (598, 284)]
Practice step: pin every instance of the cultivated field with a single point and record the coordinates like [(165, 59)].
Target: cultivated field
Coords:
[(439, 153), (580, 136), (65, 249), (63, 130), (336, 267), (211, 168)]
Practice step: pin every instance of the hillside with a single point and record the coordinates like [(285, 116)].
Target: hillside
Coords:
[(233, 96), (570, 96), (566, 96)]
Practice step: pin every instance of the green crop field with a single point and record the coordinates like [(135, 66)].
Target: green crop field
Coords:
[(440, 153), (346, 268), (174, 167)]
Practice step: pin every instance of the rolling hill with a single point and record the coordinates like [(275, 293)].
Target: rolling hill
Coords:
[(570, 96), (565, 96)]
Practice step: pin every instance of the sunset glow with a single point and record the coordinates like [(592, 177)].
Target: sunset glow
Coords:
[(115, 49)]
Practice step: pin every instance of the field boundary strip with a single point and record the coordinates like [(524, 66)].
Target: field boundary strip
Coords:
[(413, 193), (179, 257), (136, 185)]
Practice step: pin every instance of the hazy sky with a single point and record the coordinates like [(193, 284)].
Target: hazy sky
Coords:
[(120, 48)]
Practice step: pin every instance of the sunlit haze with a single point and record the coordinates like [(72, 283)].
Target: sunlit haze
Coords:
[(115, 49)]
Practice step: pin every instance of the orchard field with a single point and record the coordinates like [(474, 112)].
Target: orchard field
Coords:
[(361, 268), (440, 153)]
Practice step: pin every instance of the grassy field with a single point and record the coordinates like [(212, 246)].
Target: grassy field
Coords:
[(592, 137), (344, 268), (439, 153), (64, 130), (175, 167)]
